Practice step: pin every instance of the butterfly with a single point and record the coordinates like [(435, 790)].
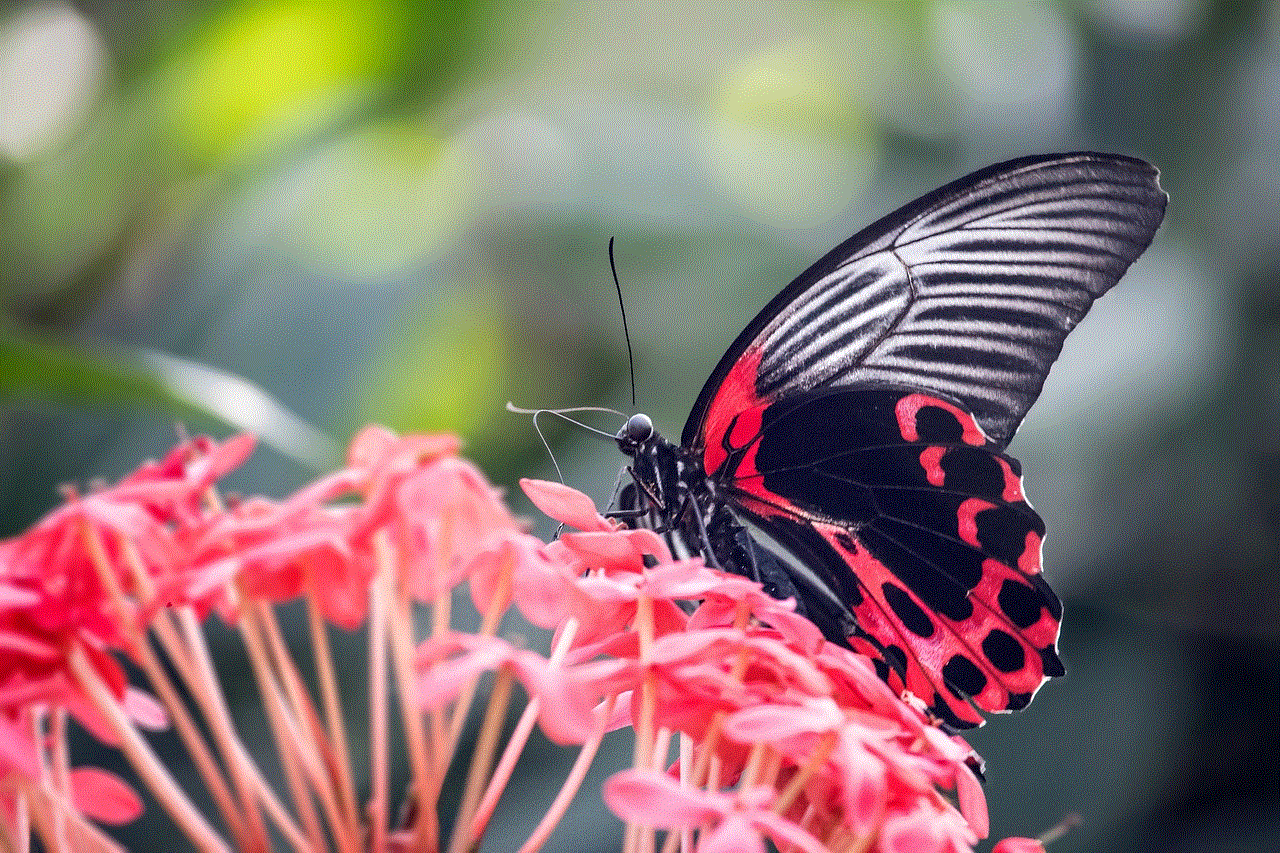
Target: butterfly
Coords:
[(848, 449)]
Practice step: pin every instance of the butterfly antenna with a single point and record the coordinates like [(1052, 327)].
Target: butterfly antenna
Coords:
[(563, 414), (631, 362), (546, 444)]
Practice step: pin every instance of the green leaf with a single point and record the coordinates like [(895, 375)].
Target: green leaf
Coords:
[(33, 369)]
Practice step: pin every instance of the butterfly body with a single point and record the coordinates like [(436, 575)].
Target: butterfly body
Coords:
[(859, 423)]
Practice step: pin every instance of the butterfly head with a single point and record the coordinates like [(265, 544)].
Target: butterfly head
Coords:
[(635, 433)]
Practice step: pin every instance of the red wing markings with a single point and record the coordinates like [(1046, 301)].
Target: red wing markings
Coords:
[(908, 414), (1018, 631), (946, 632), (730, 414)]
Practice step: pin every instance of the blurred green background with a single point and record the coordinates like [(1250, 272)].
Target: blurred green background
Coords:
[(297, 218)]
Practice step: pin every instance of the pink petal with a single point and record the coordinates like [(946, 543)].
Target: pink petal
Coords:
[(863, 784), (375, 445), (543, 588), (683, 579), (608, 549), (649, 543), (145, 710), (565, 505), (228, 456), (370, 445), (566, 710), (340, 582), (655, 799), (442, 675), (973, 801), (104, 796), (497, 566), (17, 752), (735, 835), (22, 643), (622, 711), (12, 597), (911, 832), (782, 830), (765, 723), (1018, 845), (615, 588)]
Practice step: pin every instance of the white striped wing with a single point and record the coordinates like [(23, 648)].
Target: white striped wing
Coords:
[(968, 292)]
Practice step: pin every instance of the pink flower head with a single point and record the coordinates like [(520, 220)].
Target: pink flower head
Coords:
[(447, 665), (86, 576), (785, 738), (744, 674)]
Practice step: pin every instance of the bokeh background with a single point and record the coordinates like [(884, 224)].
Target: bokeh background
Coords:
[(297, 218)]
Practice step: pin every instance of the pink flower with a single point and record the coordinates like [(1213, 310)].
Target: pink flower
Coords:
[(784, 737)]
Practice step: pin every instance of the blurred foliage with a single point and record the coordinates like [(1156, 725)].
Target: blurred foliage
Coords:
[(397, 211)]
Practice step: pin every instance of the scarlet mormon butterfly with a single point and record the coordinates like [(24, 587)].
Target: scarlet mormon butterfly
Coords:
[(859, 423)]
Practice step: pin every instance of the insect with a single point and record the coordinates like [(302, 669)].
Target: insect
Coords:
[(848, 449)]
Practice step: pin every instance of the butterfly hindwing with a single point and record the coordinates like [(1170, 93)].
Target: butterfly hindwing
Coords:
[(899, 503)]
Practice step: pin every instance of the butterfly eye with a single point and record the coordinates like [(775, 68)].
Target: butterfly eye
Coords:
[(638, 429)]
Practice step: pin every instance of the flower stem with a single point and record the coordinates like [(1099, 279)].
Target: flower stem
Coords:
[(340, 758), (464, 836), (572, 782), (150, 769)]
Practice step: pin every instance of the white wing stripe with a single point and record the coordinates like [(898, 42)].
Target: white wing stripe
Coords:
[(968, 292)]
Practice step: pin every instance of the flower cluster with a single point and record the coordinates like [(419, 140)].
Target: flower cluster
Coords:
[(748, 725)]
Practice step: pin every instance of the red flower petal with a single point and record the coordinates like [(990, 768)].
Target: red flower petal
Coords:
[(655, 799), (565, 505), (104, 796), (1018, 845), (17, 752)]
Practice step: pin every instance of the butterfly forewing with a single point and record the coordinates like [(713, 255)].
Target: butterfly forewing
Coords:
[(860, 421), (968, 292)]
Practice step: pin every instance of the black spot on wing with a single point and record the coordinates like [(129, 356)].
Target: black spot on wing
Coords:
[(1003, 529), (963, 676), (941, 709), (1051, 663), (1018, 701), (896, 658), (937, 425), (974, 471), (1022, 603), (907, 611), (1003, 651), (882, 668)]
